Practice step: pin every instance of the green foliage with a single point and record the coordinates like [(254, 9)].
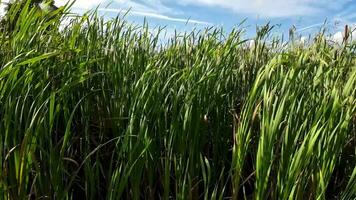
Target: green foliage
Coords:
[(17, 10), (102, 109)]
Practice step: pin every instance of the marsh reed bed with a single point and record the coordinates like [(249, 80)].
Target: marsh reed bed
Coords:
[(102, 109)]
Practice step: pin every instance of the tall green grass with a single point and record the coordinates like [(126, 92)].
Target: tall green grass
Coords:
[(102, 109)]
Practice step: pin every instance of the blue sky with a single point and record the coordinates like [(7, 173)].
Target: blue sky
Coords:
[(306, 15)]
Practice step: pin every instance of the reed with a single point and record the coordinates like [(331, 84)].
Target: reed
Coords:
[(101, 109)]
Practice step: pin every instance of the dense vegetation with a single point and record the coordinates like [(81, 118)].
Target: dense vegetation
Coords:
[(101, 109)]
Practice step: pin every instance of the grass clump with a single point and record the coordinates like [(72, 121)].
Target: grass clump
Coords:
[(101, 109)]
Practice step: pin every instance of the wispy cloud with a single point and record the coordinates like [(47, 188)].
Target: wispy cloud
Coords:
[(310, 27), (346, 16), (155, 15), (81, 4), (273, 8), (156, 6), (149, 8)]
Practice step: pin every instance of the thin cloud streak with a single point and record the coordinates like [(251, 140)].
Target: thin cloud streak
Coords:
[(273, 8), (309, 27), (155, 15)]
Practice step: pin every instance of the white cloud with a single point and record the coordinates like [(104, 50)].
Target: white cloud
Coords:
[(149, 8), (81, 4), (3, 7), (273, 8), (338, 37), (2, 10), (251, 44), (147, 5), (303, 40), (155, 15)]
